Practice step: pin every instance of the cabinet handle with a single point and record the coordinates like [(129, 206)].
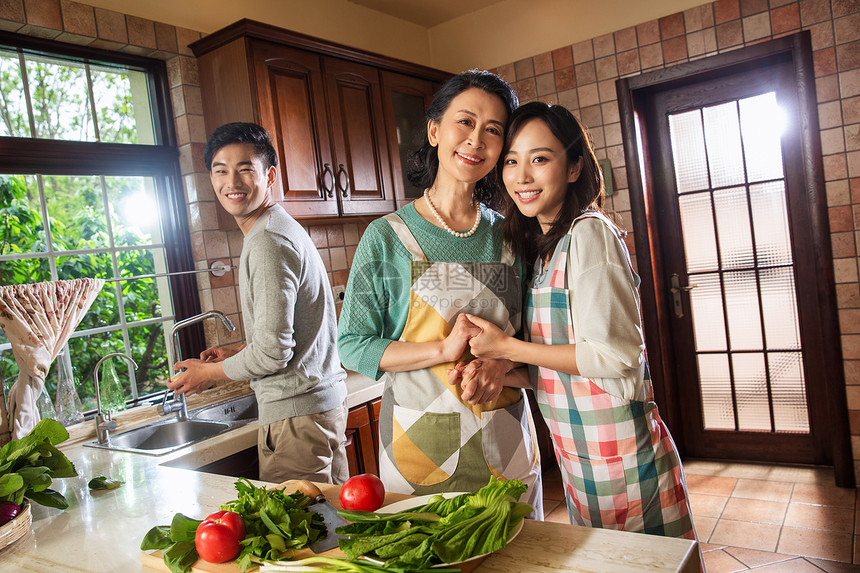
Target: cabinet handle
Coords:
[(329, 189), (341, 170)]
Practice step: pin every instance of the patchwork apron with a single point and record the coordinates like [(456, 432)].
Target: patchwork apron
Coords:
[(430, 440), (618, 462)]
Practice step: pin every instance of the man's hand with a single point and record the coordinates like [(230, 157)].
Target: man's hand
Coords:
[(217, 354), (198, 376)]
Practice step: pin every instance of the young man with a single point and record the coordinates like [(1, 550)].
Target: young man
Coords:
[(290, 351)]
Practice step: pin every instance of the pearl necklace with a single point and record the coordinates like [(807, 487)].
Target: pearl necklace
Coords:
[(445, 226)]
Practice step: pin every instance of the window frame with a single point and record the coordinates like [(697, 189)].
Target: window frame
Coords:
[(29, 156)]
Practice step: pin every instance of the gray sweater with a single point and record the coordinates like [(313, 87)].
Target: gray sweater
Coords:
[(290, 325)]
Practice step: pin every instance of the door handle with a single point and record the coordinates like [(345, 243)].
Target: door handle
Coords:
[(676, 294), (329, 189), (341, 170)]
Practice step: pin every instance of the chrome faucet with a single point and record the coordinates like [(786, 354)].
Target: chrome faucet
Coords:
[(104, 424), (181, 405)]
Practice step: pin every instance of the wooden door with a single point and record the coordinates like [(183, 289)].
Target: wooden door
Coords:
[(732, 268), (737, 262), (405, 100), (362, 171), (291, 94)]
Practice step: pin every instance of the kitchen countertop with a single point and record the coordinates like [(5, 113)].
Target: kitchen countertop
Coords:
[(101, 531)]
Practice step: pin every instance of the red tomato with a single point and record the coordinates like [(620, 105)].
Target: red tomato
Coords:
[(363, 492), (217, 538)]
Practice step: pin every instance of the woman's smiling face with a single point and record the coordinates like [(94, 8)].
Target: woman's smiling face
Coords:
[(536, 172), (470, 135)]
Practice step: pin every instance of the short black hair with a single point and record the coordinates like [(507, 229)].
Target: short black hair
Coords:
[(241, 132), (424, 163)]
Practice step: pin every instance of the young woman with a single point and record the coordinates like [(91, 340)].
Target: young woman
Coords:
[(584, 336), (413, 275)]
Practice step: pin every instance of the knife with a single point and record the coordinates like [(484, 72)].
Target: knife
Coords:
[(330, 517)]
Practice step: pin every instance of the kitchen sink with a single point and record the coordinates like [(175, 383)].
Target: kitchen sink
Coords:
[(165, 436), (243, 408)]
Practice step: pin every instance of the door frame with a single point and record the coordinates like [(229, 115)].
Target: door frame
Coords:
[(633, 92)]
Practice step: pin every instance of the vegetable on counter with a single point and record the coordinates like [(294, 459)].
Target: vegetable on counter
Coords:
[(274, 522), (441, 531), (103, 482), (218, 538), (363, 492), (9, 510), (29, 465), (336, 565), (177, 542)]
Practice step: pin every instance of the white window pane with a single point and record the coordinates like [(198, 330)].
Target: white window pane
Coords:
[(61, 108), (779, 308), (122, 106), (716, 384), (750, 377), (75, 206), (16, 122), (709, 325), (788, 386), (697, 226), (761, 125), (770, 221), (134, 211), (733, 228), (688, 151), (742, 309), (723, 136)]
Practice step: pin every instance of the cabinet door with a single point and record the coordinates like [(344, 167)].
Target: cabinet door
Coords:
[(291, 95), (406, 100), (360, 452), (363, 170)]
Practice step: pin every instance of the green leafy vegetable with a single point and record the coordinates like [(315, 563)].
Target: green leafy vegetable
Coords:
[(275, 522), (177, 541), (460, 528), (104, 482), (29, 465), (336, 565)]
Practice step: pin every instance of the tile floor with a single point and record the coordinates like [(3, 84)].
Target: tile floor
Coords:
[(761, 518)]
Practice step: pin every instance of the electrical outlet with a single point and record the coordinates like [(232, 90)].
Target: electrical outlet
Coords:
[(338, 292)]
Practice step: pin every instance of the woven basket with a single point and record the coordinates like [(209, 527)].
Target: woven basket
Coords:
[(14, 530)]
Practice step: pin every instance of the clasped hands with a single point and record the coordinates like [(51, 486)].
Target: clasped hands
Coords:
[(481, 379)]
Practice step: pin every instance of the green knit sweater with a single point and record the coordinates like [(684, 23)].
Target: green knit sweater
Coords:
[(376, 304)]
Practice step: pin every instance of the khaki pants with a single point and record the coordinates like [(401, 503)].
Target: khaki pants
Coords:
[(308, 447)]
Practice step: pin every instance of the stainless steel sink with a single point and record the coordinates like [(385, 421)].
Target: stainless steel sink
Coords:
[(170, 434), (243, 408)]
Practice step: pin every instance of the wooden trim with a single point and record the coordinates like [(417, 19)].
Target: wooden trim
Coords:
[(53, 157), (253, 29)]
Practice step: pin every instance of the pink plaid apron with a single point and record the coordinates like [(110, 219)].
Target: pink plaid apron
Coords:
[(618, 462)]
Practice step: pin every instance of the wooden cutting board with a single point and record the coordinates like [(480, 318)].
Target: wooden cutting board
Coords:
[(155, 560)]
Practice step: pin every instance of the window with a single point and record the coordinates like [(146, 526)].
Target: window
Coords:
[(89, 188)]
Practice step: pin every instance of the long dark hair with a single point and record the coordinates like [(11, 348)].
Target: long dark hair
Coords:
[(587, 192), (424, 163)]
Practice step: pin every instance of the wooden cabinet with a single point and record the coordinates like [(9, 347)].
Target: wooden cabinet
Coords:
[(362, 439), (343, 120), (405, 101)]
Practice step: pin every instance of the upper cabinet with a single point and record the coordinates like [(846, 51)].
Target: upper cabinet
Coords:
[(343, 121)]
